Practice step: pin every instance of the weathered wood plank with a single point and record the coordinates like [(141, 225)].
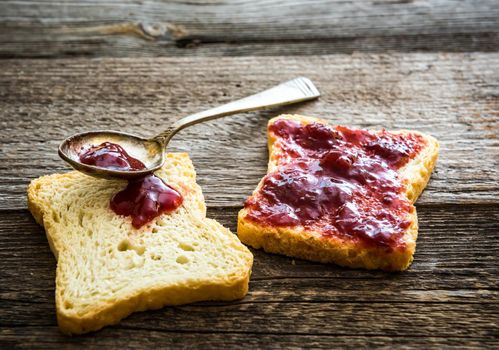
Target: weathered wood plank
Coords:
[(31, 41), (358, 319), (50, 338), (448, 298), (217, 28), (458, 266), (452, 96)]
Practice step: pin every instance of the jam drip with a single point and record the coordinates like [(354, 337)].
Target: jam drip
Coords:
[(339, 181), (110, 156), (143, 199)]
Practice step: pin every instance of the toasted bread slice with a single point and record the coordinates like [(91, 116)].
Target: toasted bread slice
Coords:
[(107, 269), (313, 244)]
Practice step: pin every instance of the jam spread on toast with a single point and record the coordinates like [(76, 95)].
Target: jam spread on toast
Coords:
[(143, 199), (339, 181)]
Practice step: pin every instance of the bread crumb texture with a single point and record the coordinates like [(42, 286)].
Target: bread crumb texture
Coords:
[(107, 269)]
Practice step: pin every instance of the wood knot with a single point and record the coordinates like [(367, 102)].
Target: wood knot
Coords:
[(160, 30), (154, 29)]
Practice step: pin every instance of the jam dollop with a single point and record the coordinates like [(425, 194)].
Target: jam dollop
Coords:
[(144, 198), (110, 156), (339, 181)]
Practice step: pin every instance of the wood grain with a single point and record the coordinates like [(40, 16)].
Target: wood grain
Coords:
[(256, 27), (463, 259), (451, 96), (448, 297), (32, 337)]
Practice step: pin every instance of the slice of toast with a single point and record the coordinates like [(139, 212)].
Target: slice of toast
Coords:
[(309, 241), (106, 269)]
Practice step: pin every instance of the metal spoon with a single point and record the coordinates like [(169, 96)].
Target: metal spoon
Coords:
[(151, 151)]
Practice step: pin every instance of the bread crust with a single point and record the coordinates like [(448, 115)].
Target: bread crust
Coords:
[(149, 299), (230, 287), (306, 244)]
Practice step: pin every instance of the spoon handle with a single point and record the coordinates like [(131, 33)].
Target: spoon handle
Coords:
[(293, 91)]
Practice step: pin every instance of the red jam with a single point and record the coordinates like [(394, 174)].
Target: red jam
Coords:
[(110, 156), (336, 180), (143, 199)]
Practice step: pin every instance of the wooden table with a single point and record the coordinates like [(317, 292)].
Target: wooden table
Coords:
[(448, 298)]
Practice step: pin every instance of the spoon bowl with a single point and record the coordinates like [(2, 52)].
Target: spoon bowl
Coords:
[(151, 152), (148, 151)]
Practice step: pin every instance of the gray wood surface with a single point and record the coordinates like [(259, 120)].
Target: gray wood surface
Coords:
[(124, 28), (448, 298), (451, 96)]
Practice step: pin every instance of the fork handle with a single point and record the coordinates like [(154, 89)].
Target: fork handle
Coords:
[(293, 91)]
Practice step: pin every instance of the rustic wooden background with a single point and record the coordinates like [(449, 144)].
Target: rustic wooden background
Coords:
[(428, 65)]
